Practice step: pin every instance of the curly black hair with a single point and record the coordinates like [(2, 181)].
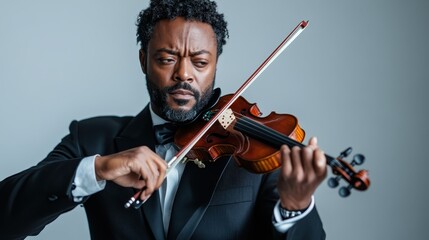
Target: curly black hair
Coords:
[(199, 10)]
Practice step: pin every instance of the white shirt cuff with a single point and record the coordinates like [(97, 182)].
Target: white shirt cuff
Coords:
[(85, 181), (283, 225)]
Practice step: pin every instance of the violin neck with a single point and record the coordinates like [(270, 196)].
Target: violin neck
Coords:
[(270, 136)]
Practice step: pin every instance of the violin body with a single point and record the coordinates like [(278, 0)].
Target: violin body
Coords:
[(251, 153)]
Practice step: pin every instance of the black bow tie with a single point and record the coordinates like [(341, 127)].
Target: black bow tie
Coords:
[(164, 133)]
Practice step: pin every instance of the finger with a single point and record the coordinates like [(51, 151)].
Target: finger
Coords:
[(297, 169), (161, 168), (286, 160), (136, 180), (162, 172), (147, 177), (312, 143), (157, 168), (139, 184), (146, 165), (307, 159), (320, 163)]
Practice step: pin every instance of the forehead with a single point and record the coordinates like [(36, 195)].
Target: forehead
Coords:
[(183, 35)]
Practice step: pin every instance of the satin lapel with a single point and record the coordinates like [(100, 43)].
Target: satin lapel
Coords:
[(139, 132), (193, 197)]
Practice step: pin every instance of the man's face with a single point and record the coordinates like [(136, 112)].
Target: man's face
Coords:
[(180, 66)]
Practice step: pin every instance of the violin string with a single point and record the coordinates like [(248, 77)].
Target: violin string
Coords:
[(263, 132), (246, 124), (277, 138)]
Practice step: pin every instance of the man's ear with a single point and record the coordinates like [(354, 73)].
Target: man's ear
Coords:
[(142, 58)]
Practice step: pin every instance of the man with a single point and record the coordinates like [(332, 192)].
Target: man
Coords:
[(105, 160)]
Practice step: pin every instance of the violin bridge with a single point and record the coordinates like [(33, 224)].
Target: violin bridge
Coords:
[(199, 163), (226, 118)]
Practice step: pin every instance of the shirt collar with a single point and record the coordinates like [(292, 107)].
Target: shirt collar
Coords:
[(156, 120)]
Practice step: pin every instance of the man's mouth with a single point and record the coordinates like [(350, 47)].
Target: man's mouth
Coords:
[(182, 94)]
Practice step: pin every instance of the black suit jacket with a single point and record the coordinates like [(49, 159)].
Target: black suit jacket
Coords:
[(220, 201)]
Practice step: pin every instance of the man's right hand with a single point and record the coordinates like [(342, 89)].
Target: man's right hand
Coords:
[(138, 167)]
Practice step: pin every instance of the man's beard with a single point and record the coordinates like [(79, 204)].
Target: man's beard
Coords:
[(158, 98)]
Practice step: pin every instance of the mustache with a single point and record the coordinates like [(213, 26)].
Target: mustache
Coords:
[(184, 86)]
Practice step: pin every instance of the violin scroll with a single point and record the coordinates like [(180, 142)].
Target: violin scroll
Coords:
[(344, 170)]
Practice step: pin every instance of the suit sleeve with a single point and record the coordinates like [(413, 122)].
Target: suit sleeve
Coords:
[(33, 198), (310, 227)]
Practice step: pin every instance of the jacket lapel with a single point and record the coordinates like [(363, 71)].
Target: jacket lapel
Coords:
[(193, 196), (139, 132)]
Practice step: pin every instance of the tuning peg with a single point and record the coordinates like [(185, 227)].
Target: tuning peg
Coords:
[(358, 159), (333, 182), (346, 152), (345, 191)]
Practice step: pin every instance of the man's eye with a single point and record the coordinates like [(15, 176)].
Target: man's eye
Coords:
[(200, 64), (166, 60)]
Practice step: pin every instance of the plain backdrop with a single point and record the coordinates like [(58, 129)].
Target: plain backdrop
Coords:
[(357, 76)]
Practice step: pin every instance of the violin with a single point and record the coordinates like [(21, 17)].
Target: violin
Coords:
[(254, 142), (235, 127)]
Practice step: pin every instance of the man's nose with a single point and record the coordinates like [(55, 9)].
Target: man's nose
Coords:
[(184, 71)]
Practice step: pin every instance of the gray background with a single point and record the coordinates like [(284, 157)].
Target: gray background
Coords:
[(357, 76)]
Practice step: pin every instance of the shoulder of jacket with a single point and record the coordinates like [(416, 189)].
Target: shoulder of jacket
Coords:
[(102, 126), (96, 135)]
